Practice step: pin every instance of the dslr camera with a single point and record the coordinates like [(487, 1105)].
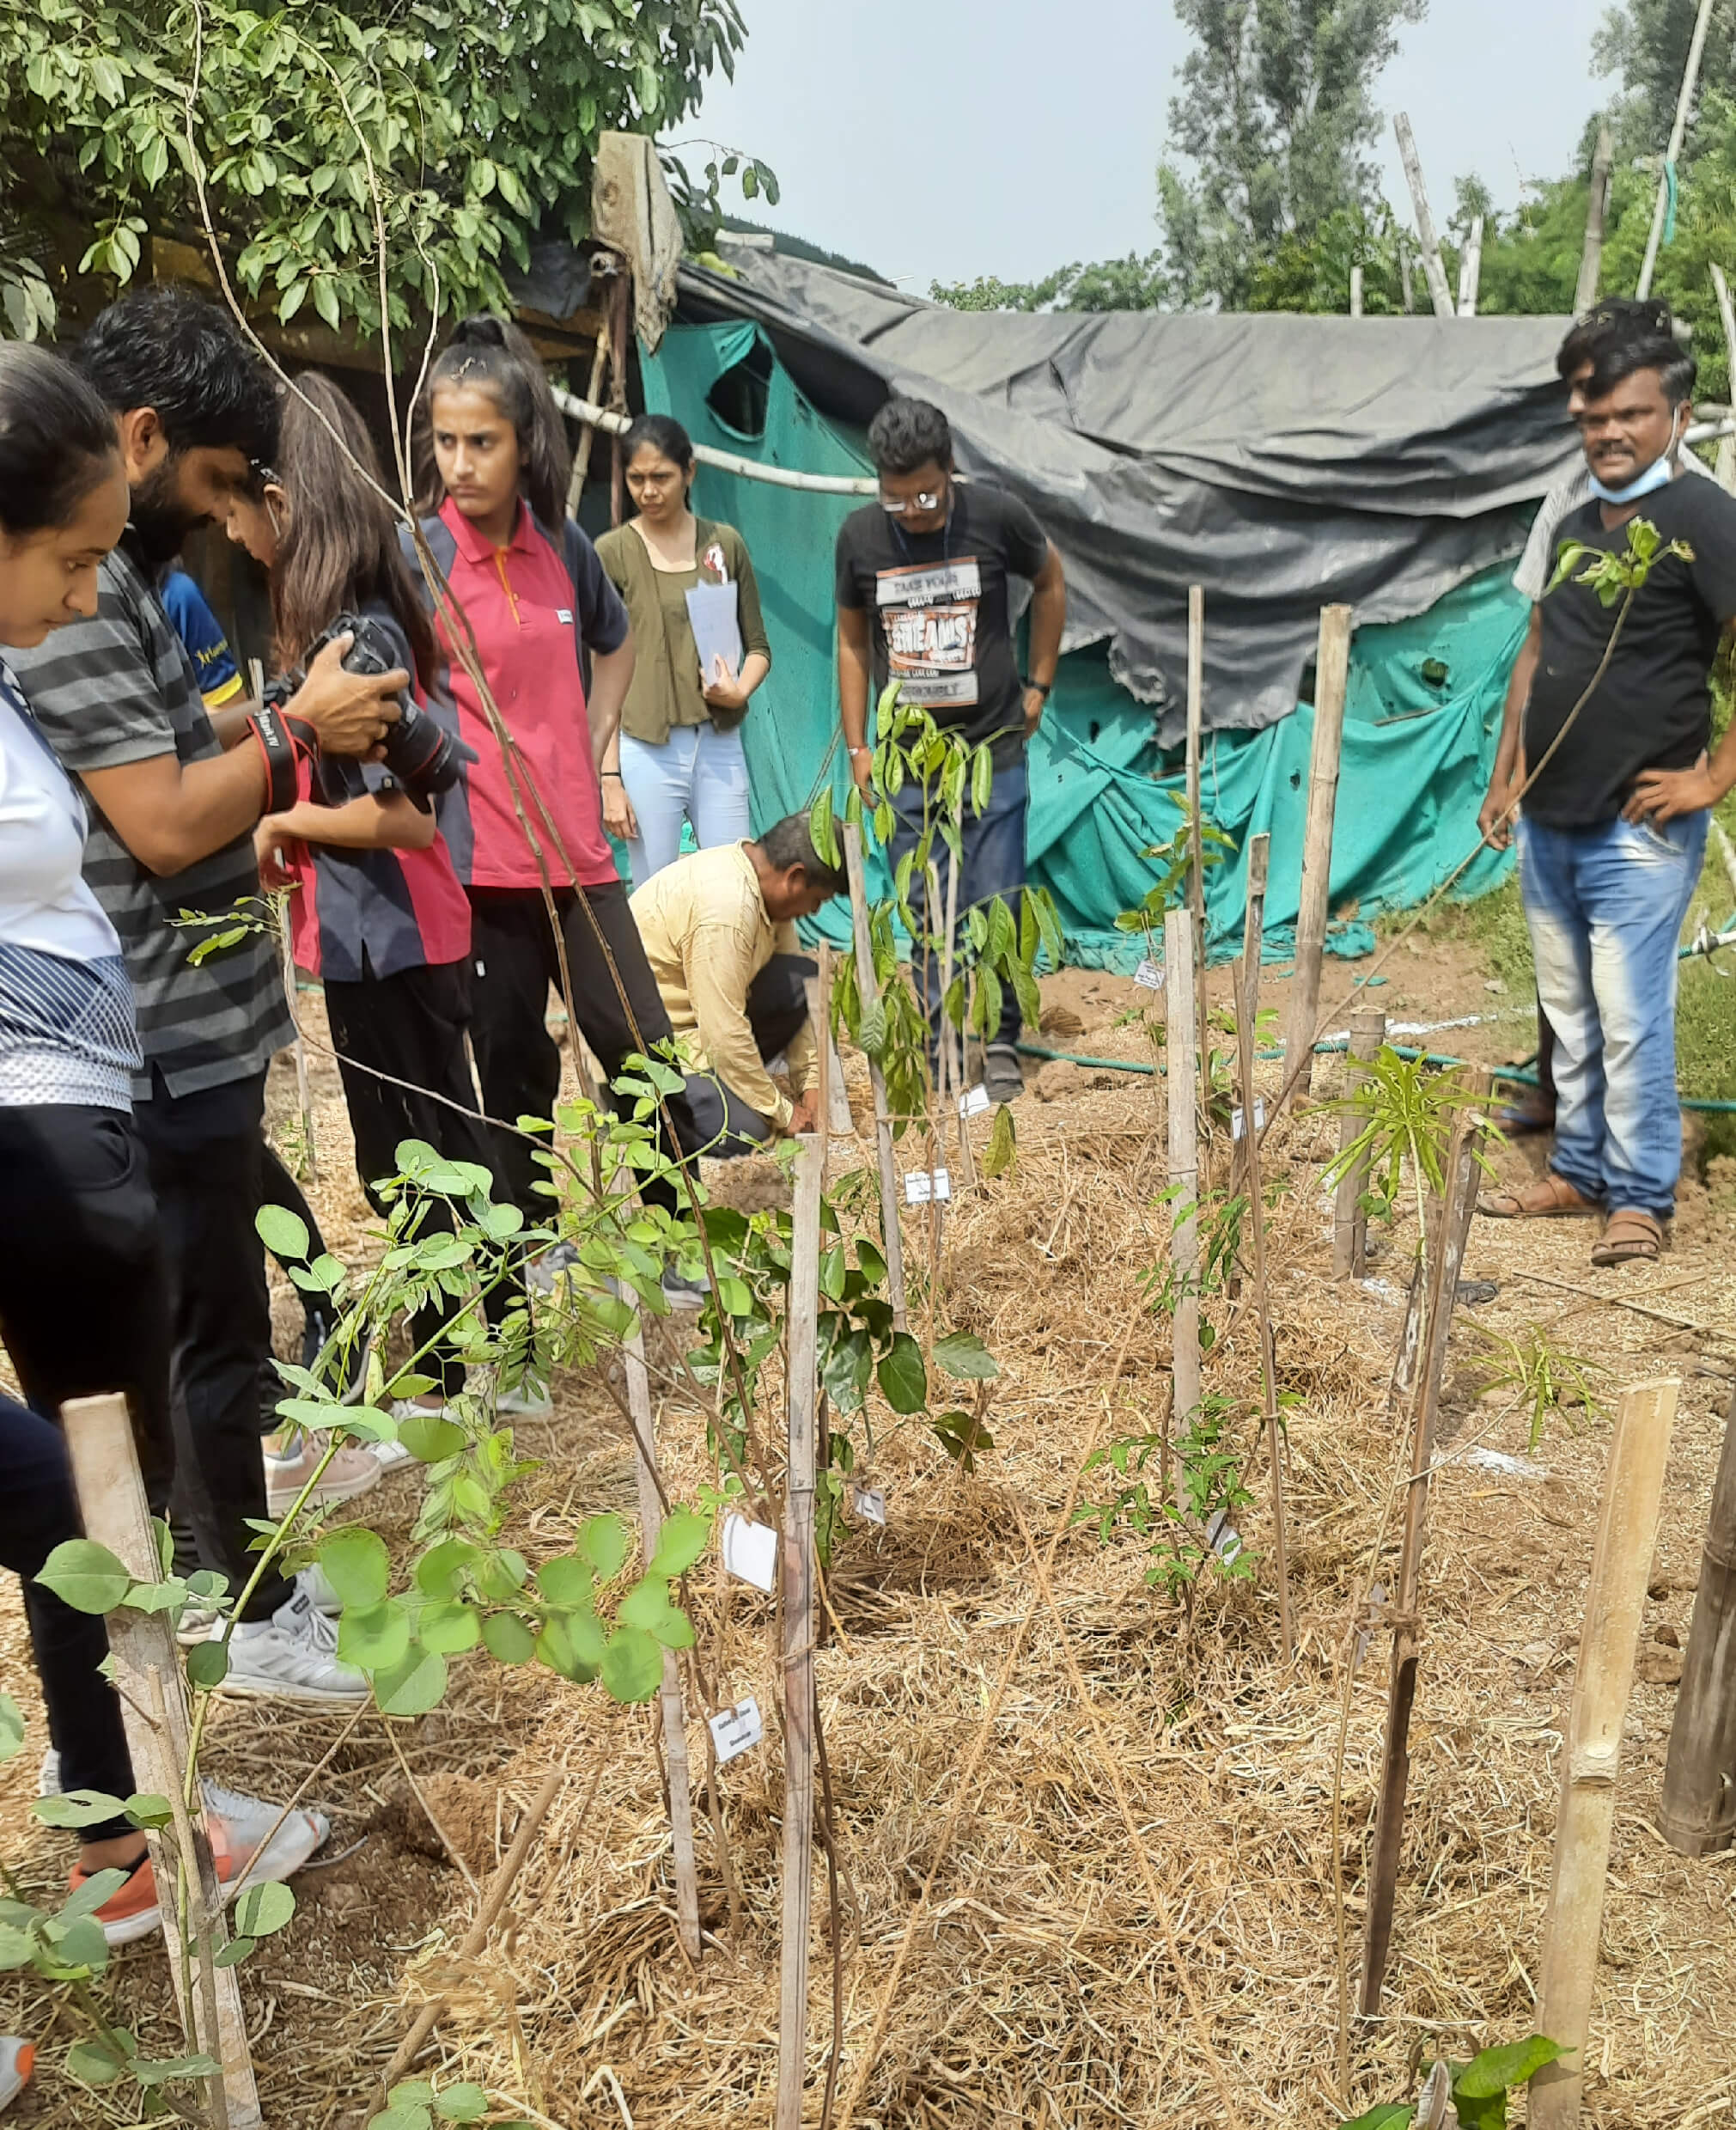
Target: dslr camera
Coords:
[(425, 757)]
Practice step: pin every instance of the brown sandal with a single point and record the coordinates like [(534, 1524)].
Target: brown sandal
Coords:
[(1631, 1237), (1551, 1198)]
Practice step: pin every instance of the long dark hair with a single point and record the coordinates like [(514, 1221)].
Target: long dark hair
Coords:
[(492, 354), (56, 439), (341, 549)]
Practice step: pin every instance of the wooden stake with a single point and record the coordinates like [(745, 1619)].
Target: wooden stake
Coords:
[(1332, 679), (670, 1703), (954, 1072), (868, 989), (1355, 291), (1184, 1166), (1434, 271), (1684, 105), (1442, 1278), (1698, 1812), (620, 298), (256, 678), (1592, 258), (1350, 1222), (1247, 1022), (797, 1592), (1195, 871), (1470, 269), (112, 1501), (1404, 283), (1591, 1756), (581, 455)]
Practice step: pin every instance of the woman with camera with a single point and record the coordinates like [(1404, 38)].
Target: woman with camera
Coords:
[(378, 913)]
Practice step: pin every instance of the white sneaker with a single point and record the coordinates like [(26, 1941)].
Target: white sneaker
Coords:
[(352, 1472), (292, 1657), (48, 1775), (548, 1268), (17, 2061)]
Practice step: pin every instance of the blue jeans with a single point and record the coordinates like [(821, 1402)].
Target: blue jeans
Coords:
[(1605, 906), (698, 774), (993, 865)]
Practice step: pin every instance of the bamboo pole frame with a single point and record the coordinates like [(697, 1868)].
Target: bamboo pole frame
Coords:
[(1331, 681), (868, 989), (1591, 1756), (1592, 257), (1697, 1815), (1678, 131), (1349, 1221), (1433, 273), (1183, 1167), (1196, 856)]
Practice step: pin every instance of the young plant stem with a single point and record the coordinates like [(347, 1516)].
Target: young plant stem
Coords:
[(869, 991), (193, 1922)]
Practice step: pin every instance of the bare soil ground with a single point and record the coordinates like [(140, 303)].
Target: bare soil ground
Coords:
[(1039, 1986)]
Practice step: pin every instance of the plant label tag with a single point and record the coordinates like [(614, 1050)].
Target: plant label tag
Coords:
[(750, 1551), (1238, 1122), (869, 1503), (921, 1188), (1148, 975), (973, 1102), (736, 1730)]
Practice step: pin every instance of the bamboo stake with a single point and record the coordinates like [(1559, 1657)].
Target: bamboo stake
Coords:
[(620, 297), (581, 455), (1395, 1768), (1433, 273), (1355, 291), (1591, 1759), (797, 1594), (960, 1079), (1349, 1221), (1332, 679), (1195, 869), (1592, 258), (112, 1502), (868, 989), (304, 1103), (1684, 105), (1247, 1022), (674, 1714), (1698, 1812), (1184, 1168), (1409, 293), (1470, 269)]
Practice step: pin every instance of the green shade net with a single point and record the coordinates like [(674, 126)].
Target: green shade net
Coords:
[(1420, 722)]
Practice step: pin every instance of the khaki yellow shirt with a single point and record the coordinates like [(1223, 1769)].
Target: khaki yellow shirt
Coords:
[(707, 936)]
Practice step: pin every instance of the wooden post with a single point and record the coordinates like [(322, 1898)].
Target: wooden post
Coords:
[(1350, 1222), (1195, 871), (1443, 1279), (1591, 1755), (1247, 1022), (581, 455), (1698, 1813), (1727, 448), (797, 1592), (1404, 283), (1434, 271), (620, 299), (1332, 679), (1355, 291), (1184, 1165), (1470, 269), (670, 1703), (112, 1501), (1592, 258), (953, 1063), (868, 989), (1684, 105)]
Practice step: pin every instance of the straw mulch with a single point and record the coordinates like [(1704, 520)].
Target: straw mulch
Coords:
[(1038, 1985)]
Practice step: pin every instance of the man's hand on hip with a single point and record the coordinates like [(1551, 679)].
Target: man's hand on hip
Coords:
[(349, 710), (1661, 795)]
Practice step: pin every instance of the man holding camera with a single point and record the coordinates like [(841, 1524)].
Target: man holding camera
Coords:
[(174, 795)]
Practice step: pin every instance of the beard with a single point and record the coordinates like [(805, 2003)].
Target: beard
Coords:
[(159, 517)]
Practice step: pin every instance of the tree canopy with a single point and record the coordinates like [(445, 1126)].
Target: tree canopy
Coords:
[(471, 123)]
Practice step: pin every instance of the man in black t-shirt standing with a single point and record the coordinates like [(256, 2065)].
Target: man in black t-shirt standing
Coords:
[(923, 598), (1616, 727)]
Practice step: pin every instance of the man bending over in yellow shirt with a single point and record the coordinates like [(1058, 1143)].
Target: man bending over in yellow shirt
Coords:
[(719, 929)]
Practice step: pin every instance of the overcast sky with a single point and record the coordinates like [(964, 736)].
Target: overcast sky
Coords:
[(942, 139)]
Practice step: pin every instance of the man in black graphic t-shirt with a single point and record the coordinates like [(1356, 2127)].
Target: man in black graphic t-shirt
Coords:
[(923, 599)]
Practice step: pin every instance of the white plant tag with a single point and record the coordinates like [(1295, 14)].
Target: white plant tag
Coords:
[(869, 1503), (1148, 974), (921, 1187), (974, 1102), (1237, 1121), (750, 1551), (736, 1730)]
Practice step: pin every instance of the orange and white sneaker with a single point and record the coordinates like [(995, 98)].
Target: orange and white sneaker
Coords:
[(238, 1827), (17, 2061), (352, 1472)]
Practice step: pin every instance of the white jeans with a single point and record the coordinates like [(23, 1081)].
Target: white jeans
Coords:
[(698, 774)]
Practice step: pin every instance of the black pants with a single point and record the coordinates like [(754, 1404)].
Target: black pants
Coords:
[(777, 1013), (204, 1156), (38, 1511), (411, 1025), (517, 1060)]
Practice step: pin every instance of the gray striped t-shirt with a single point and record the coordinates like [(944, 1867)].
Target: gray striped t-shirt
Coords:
[(120, 689)]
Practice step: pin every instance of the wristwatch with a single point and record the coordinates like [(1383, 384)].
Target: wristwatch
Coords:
[(1041, 687)]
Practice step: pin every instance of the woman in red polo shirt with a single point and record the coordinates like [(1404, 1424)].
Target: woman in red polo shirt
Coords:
[(539, 605)]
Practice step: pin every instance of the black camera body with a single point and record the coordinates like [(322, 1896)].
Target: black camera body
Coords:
[(425, 757)]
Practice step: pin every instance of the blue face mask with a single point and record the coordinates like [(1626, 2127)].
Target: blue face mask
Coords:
[(1657, 475)]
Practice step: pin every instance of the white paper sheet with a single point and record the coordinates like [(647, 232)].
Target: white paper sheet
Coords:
[(716, 628)]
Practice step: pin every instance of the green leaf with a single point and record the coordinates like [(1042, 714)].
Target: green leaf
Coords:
[(1001, 1150), (440, 1572), (505, 1636), (413, 1686), (11, 1728), (683, 1538), (92, 2065), (1496, 2070), (572, 1645), (1389, 2115), (872, 1264), (233, 1954), (85, 1575), (449, 1627), (90, 1896), (822, 829), (981, 778), (208, 1664), (260, 1910), (283, 1233), (149, 1808), (603, 1542), (430, 1439), (326, 300), (903, 1376), (963, 1354), (356, 1564), (374, 1637), (961, 1434), (77, 1808), (736, 1296), (461, 2104), (632, 1665), (17, 1948), (566, 1580)]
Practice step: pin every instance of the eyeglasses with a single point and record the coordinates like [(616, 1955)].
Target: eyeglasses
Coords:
[(922, 504)]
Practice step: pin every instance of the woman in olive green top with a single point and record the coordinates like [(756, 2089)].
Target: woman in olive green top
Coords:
[(679, 753)]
